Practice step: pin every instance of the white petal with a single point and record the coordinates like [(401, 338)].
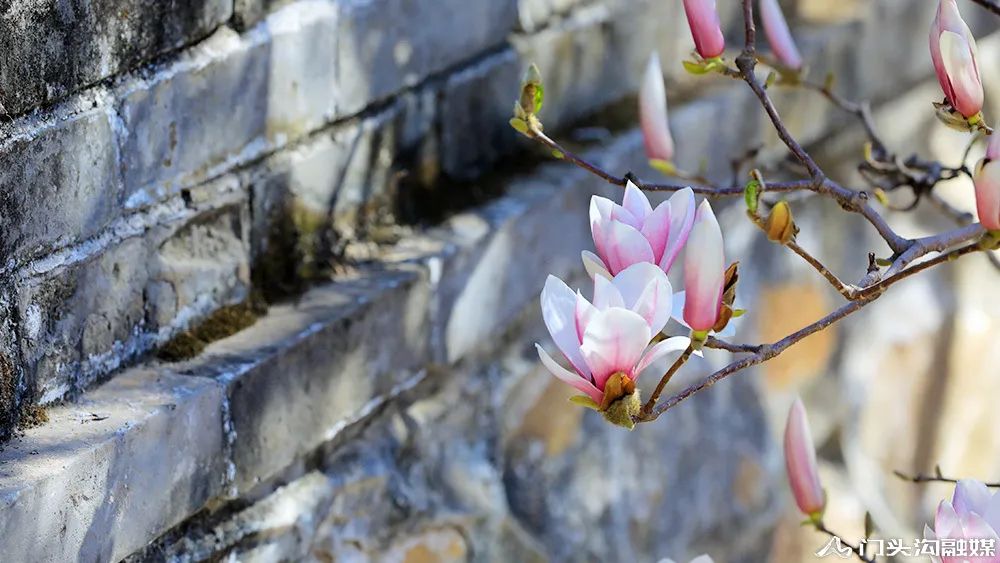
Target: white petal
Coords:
[(960, 65), (678, 308), (559, 314), (636, 202), (682, 215), (584, 312), (661, 349), (606, 295), (574, 379), (594, 265), (970, 496), (614, 342), (624, 246), (646, 290)]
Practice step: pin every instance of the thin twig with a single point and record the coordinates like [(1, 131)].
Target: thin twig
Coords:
[(845, 290), (681, 360), (719, 344), (991, 5), (936, 478)]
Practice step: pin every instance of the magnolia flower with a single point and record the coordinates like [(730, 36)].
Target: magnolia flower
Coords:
[(634, 232), (778, 35), (953, 51), (653, 114), (800, 463), (973, 513), (705, 28), (607, 341), (987, 180), (704, 271)]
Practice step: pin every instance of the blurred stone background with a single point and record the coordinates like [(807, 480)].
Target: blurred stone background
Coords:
[(269, 275)]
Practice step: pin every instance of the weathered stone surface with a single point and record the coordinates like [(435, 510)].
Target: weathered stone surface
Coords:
[(50, 49), (388, 44), (107, 474), (475, 108), (329, 348), (61, 176), (93, 308), (534, 14)]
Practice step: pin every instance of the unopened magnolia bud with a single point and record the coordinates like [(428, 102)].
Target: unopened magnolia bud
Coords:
[(532, 91), (780, 225), (621, 402), (800, 464)]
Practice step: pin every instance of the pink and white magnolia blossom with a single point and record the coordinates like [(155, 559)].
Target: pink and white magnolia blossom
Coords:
[(703, 20), (653, 113), (987, 182), (778, 35), (610, 335), (800, 463), (954, 53), (704, 271), (973, 513), (634, 232)]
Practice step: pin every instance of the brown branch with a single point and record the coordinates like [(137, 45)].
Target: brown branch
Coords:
[(719, 344), (936, 478), (842, 288), (937, 243), (681, 360)]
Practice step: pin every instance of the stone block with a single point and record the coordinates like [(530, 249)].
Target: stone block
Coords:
[(51, 49), (104, 476)]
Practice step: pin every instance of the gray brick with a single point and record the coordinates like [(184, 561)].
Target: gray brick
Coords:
[(330, 349), (106, 475), (92, 309), (386, 45), (50, 49), (61, 179)]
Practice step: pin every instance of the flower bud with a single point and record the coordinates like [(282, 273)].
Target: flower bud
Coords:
[(705, 28), (800, 463), (780, 225), (779, 36), (953, 51), (704, 271), (653, 114), (987, 182)]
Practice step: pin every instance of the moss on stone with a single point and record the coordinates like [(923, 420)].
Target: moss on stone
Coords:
[(224, 322), (33, 416)]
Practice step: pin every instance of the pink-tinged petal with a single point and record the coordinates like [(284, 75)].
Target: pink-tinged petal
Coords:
[(706, 31), (963, 74), (653, 113), (600, 213), (578, 382), (624, 246), (704, 271), (614, 342), (682, 215), (594, 265), (656, 229), (584, 312), (636, 203), (646, 290), (946, 524), (559, 314), (975, 526), (987, 182), (800, 462), (778, 34), (606, 295), (660, 350), (970, 496)]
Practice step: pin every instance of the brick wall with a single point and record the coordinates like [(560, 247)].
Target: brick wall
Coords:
[(342, 172)]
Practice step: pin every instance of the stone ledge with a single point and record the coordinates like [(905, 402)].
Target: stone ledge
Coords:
[(306, 370)]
